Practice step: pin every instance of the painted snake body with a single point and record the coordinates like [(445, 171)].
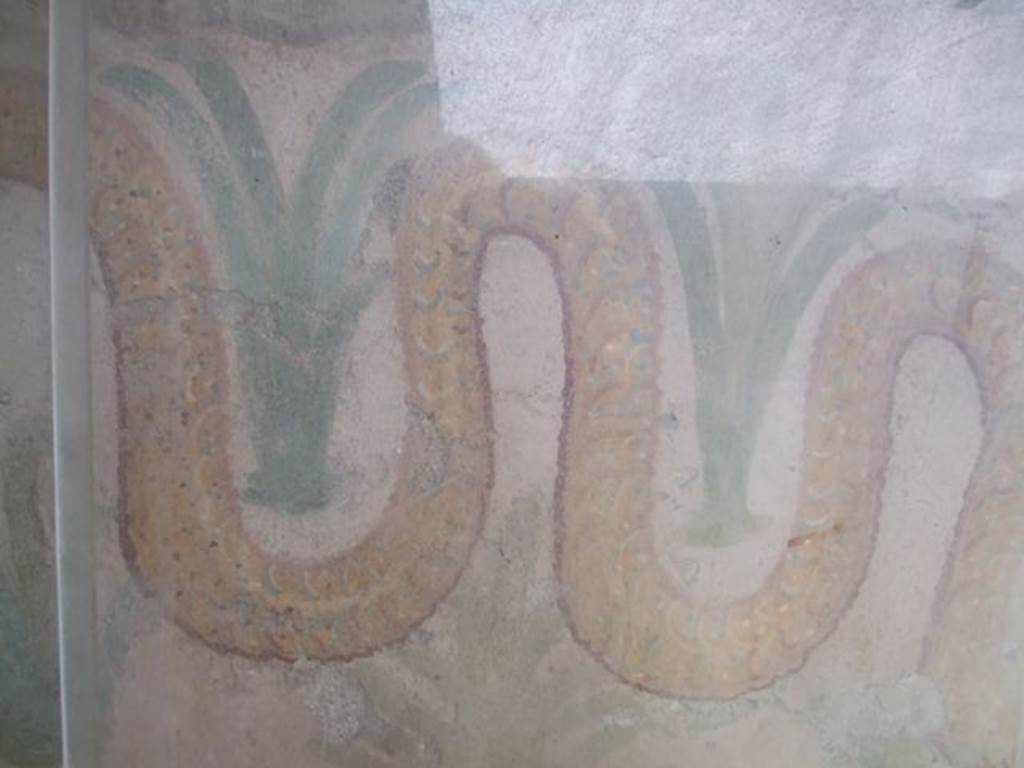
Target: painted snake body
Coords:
[(181, 526), (627, 610), (181, 522)]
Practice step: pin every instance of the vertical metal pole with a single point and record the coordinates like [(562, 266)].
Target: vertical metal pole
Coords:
[(72, 371)]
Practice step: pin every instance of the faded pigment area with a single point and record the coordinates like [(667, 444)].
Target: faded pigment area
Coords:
[(423, 440)]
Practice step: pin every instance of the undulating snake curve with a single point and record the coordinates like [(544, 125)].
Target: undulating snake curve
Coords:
[(636, 618), (182, 530), (658, 638), (621, 603), (181, 525)]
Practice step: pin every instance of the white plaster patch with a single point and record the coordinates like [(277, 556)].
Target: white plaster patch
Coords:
[(875, 93)]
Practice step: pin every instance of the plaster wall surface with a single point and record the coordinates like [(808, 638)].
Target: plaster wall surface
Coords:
[(514, 385)]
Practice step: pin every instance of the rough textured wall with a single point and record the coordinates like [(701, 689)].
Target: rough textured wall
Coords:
[(872, 93), (29, 696), (401, 461)]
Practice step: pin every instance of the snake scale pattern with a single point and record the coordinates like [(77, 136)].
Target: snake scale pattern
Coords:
[(180, 521)]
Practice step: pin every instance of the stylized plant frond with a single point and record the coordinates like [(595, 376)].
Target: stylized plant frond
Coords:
[(692, 241), (245, 194), (832, 238), (299, 269), (376, 153), (274, 248), (342, 133), (196, 140), (743, 311), (229, 104)]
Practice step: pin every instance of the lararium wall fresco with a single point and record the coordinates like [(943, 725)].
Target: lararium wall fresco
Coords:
[(403, 460)]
